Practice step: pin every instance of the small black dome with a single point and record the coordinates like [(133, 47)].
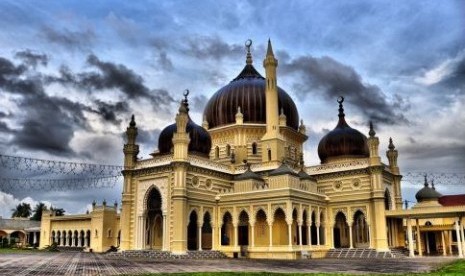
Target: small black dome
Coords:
[(427, 193), (200, 140), (343, 141)]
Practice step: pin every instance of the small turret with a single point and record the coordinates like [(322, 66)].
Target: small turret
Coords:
[(239, 116), (392, 155), (373, 146), (131, 149), (282, 118)]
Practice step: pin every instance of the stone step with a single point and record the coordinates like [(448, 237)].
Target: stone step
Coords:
[(166, 255), (359, 253)]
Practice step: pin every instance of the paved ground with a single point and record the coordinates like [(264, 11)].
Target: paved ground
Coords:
[(97, 264)]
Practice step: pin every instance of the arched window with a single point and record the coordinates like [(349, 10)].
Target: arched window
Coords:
[(228, 150), (254, 148), (387, 200), (269, 154), (109, 233), (217, 152)]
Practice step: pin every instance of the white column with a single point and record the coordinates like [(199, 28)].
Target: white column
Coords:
[(318, 234), (410, 238), (459, 243), (427, 242), (219, 236), (450, 241), (270, 228), (300, 236), (236, 236), (420, 251), (289, 234), (351, 241), (35, 237), (165, 234), (309, 235), (252, 244), (200, 237), (443, 240), (462, 236), (369, 237)]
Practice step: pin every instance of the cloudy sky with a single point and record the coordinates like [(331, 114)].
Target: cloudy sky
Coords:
[(72, 73)]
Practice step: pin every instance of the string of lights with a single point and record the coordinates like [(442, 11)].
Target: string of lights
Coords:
[(12, 184)]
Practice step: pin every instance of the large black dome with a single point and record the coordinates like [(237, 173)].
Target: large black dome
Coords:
[(247, 91), (200, 140), (342, 141)]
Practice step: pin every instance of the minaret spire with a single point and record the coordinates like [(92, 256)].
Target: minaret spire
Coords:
[(248, 44), (269, 49)]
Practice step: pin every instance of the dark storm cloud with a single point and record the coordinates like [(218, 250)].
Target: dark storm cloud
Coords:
[(48, 122), (69, 39), (32, 59), (109, 111), (212, 47), (4, 128), (335, 79), (454, 82), (118, 76)]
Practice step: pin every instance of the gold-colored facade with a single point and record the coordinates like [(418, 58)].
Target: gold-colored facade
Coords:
[(270, 206)]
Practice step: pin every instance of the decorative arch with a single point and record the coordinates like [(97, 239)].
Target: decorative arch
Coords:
[(280, 229), (360, 231), (153, 205), (192, 233), (337, 211), (387, 199), (261, 228), (227, 229), (243, 227), (254, 148), (207, 231), (341, 230), (193, 209)]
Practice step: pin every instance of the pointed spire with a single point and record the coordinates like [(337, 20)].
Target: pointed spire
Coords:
[(426, 180), (372, 132), (184, 108), (248, 59), (340, 100), (432, 185), (269, 49), (133, 122), (391, 145)]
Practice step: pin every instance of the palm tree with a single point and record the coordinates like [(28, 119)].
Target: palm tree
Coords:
[(37, 213), (22, 210)]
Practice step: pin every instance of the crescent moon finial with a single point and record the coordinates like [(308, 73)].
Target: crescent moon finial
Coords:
[(340, 100), (186, 93), (248, 43)]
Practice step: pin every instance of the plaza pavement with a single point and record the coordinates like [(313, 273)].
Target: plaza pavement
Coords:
[(77, 263)]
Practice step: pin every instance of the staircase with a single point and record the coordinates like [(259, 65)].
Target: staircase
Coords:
[(361, 253), (166, 255), (400, 252)]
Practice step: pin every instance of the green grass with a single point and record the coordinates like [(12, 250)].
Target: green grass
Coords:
[(18, 250)]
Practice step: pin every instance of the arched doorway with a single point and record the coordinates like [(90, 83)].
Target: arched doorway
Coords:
[(280, 232), (64, 239), (58, 238), (192, 237), (88, 238), (261, 229), (305, 228), (70, 238), (227, 230), (341, 231), (243, 231), (387, 200), (206, 232), (53, 237), (154, 220), (360, 231), (82, 238), (76, 238), (313, 229)]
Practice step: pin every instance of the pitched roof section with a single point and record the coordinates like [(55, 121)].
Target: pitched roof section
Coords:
[(282, 170), (247, 175), (452, 200), (305, 176)]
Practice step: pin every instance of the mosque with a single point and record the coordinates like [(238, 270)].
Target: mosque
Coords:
[(237, 183)]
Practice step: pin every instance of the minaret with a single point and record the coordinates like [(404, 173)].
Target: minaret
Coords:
[(272, 141), (272, 116), (131, 149), (373, 145), (392, 155), (181, 137), (179, 189)]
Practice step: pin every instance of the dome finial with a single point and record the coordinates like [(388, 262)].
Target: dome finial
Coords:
[(184, 108), (372, 132), (426, 180), (432, 184), (391, 145), (133, 122), (248, 44), (340, 100)]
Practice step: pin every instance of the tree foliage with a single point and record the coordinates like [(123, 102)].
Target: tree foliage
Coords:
[(37, 212), (22, 210)]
